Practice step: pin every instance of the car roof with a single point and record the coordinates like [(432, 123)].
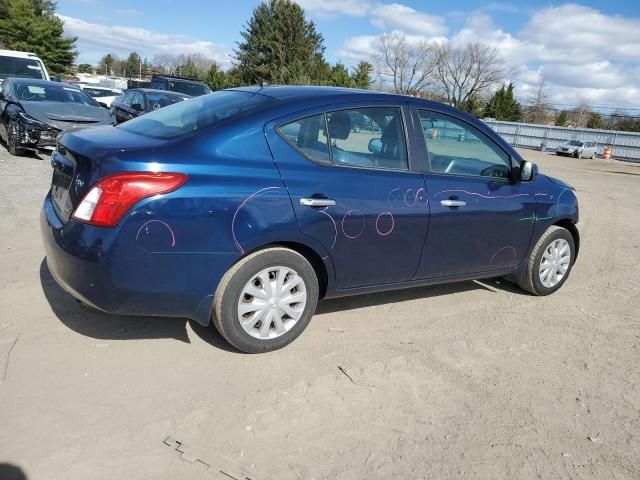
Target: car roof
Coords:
[(18, 54), (296, 93), (157, 90), (182, 79)]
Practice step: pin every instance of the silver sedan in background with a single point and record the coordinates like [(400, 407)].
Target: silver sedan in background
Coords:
[(577, 149)]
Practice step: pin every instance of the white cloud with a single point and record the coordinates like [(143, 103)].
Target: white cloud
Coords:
[(400, 17), (94, 40), (353, 8)]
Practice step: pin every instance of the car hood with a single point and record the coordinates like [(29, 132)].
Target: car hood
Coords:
[(566, 145), (64, 116)]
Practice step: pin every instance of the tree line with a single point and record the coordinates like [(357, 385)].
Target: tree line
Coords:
[(280, 46)]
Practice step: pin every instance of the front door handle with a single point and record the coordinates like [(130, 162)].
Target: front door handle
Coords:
[(452, 203), (317, 202)]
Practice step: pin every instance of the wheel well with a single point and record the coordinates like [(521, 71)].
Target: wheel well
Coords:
[(312, 257), (569, 225)]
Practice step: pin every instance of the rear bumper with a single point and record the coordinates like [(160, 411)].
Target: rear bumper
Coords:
[(108, 270)]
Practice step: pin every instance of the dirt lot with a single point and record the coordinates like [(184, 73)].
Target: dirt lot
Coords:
[(473, 380)]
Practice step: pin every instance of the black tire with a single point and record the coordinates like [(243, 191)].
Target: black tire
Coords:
[(225, 314), (531, 280), (12, 141)]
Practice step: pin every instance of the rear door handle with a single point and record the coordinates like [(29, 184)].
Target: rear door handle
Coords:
[(452, 203), (317, 202)]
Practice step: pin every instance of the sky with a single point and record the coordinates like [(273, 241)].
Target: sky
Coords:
[(586, 52)]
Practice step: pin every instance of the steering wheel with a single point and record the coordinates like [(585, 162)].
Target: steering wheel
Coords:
[(495, 171)]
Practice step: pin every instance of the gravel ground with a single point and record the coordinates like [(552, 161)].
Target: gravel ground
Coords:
[(472, 380)]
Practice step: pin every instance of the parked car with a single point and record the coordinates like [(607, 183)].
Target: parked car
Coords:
[(33, 112), (248, 205), (577, 149), (138, 101), (103, 95), (186, 85), (22, 65)]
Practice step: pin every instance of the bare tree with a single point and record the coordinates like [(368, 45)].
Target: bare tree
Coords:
[(579, 116), (537, 105), (408, 65), (467, 71)]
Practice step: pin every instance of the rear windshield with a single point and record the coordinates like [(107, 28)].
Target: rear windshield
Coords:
[(159, 100), (196, 114), (51, 92), (189, 88), (20, 67)]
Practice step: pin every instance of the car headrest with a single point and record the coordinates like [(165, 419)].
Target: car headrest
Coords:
[(339, 125)]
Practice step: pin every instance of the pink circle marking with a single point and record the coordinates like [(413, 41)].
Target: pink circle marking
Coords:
[(361, 230), (173, 237), (393, 224)]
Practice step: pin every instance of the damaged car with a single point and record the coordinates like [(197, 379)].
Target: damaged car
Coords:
[(33, 112)]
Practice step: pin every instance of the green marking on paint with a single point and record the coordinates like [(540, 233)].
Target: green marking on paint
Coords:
[(533, 219)]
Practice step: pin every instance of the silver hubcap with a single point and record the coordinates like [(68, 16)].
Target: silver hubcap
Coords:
[(272, 302), (555, 262)]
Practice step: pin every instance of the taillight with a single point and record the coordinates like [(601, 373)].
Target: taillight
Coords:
[(110, 198)]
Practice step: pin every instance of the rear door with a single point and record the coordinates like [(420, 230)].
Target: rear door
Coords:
[(480, 220), (354, 190)]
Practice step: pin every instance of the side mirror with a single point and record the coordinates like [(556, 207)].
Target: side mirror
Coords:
[(528, 171), (375, 146), (137, 107)]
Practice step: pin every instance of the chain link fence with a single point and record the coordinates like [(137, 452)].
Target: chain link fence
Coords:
[(625, 145)]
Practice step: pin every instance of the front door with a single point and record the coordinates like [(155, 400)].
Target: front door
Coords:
[(349, 178), (480, 220)]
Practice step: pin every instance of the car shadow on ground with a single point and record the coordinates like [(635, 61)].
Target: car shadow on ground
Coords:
[(104, 326), (96, 324), (413, 293)]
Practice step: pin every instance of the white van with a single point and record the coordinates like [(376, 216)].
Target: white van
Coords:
[(21, 64)]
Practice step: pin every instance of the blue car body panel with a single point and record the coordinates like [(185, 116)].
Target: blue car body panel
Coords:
[(169, 252)]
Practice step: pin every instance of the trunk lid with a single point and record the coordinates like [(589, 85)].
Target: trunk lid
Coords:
[(79, 159)]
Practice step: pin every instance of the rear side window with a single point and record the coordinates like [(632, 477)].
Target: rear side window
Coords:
[(370, 137), (197, 113), (309, 136)]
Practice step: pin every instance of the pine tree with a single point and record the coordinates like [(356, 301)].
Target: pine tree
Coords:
[(132, 65), (106, 64), (596, 121), (215, 78), (280, 46), (562, 119), (503, 106), (85, 68), (31, 25), (340, 76), (361, 75)]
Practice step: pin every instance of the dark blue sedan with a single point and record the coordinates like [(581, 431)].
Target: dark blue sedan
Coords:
[(246, 206)]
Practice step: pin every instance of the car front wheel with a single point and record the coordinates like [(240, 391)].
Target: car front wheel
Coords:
[(549, 262), (266, 300), (12, 140)]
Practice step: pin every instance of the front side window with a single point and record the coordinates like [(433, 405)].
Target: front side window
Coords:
[(308, 135), (457, 148), (368, 137)]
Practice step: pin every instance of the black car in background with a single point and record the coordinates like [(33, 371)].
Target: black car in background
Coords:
[(188, 86), (33, 112), (138, 101)]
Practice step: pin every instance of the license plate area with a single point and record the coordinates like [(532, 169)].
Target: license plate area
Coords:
[(63, 173)]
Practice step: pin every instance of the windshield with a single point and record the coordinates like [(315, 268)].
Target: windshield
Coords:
[(190, 88), (575, 143), (20, 67), (195, 114), (51, 92)]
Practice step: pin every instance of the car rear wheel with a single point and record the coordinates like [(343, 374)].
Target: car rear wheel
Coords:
[(550, 262), (266, 300), (12, 140)]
